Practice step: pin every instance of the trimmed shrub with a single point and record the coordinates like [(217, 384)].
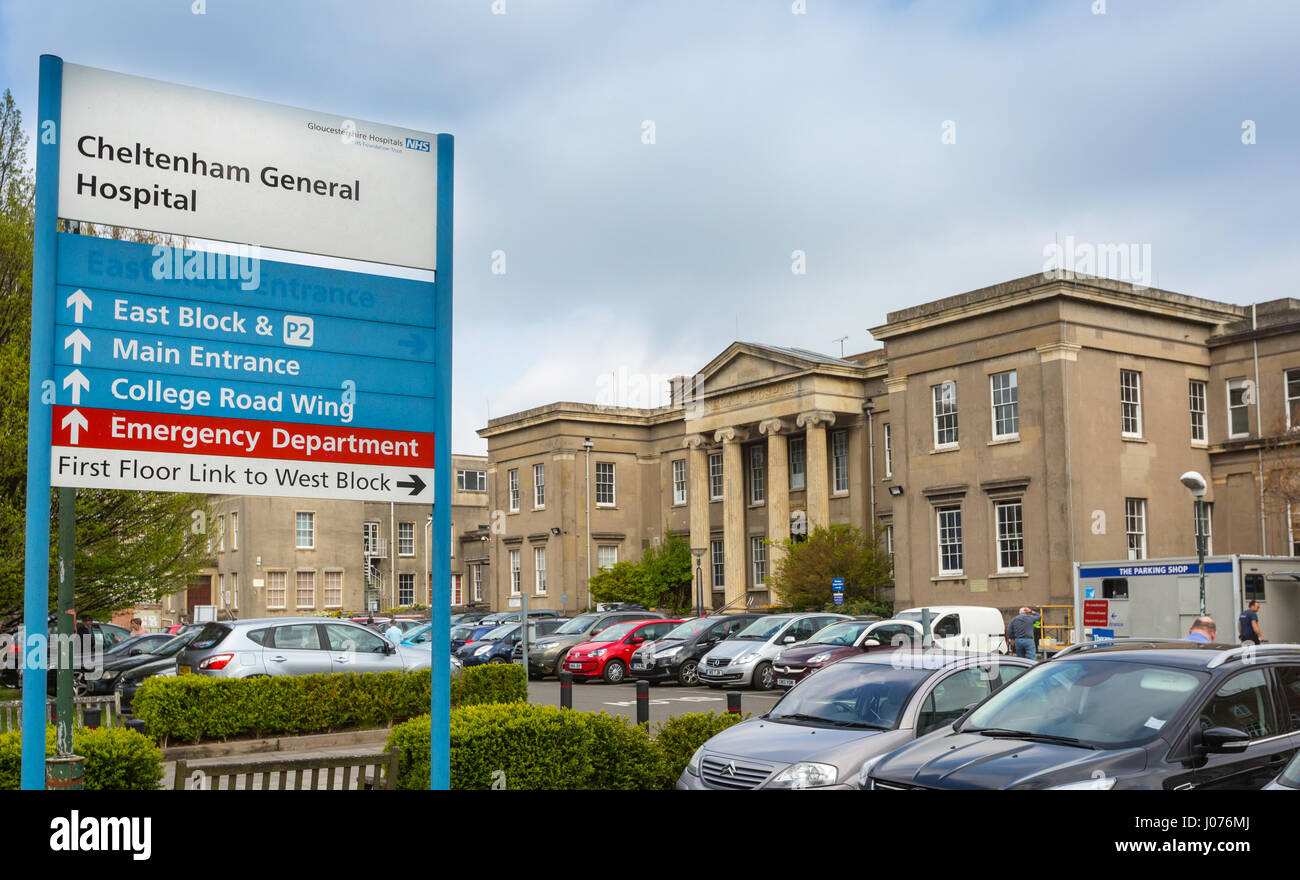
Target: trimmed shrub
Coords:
[(623, 757), (678, 738), (519, 745), (412, 739), (117, 759), (489, 683)]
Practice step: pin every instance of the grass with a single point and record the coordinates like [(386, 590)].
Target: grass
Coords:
[(9, 694)]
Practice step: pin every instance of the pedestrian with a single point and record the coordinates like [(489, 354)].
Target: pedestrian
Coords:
[(1203, 629), (1248, 625), (137, 627), (1021, 632), (394, 632)]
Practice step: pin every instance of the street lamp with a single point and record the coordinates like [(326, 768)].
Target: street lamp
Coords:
[(1195, 484), (586, 446), (699, 582)]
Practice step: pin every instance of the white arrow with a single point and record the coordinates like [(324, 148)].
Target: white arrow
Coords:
[(75, 422), (79, 301), (79, 384), (78, 339)]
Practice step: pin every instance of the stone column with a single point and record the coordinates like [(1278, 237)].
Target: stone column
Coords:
[(733, 514), (778, 488), (815, 423), (697, 465)]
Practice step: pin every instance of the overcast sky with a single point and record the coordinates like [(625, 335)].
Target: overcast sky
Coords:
[(773, 132)]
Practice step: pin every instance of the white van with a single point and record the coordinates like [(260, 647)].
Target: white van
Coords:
[(963, 627)]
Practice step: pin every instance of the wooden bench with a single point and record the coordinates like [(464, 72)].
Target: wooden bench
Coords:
[(372, 772)]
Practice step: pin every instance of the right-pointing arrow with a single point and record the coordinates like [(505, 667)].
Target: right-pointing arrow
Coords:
[(416, 487), (79, 301), (75, 422), (78, 382), (77, 341)]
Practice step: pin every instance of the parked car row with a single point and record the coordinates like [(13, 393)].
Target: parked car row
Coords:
[(1144, 714)]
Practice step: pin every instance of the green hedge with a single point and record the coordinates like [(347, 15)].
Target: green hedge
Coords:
[(117, 759), (521, 746), (192, 708)]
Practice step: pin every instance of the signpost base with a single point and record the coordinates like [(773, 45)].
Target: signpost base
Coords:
[(65, 773)]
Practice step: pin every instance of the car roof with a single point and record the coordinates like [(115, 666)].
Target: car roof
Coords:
[(1175, 652), (931, 659)]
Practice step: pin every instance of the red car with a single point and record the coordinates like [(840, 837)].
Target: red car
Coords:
[(608, 656)]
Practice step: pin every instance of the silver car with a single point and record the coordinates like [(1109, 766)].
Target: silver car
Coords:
[(294, 646), (831, 727), (746, 657)]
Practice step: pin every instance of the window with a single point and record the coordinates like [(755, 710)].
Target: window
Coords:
[(1130, 403), (342, 637), (406, 588), (305, 589), (333, 589), (457, 598), (1114, 588), (718, 561), (514, 490), (758, 553), (234, 589), (471, 481), (889, 540), (715, 476), (950, 697), (798, 463), (370, 539), (889, 450), (1011, 536), (945, 415), (950, 548), (539, 569), (1292, 398), (221, 534), (1006, 405), (1254, 584), (757, 475), (1294, 520), (476, 580), (514, 572), (1207, 519), (1196, 404), (606, 556), (840, 462), (305, 530), (539, 485), (275, 589), (1135, 526), (1243, 702), (297, 637), (605, 483), (221, 590), (1238, 408), (679, 481), (406, 539)]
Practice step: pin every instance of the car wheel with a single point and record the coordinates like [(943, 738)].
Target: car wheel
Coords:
[(764, 677), (79, 688), (615, 671), (559, 664), (689, 674), (497, 660)]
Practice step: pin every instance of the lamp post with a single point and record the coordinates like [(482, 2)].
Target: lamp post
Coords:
[(586, 446), (1195, 484), (699, 582)]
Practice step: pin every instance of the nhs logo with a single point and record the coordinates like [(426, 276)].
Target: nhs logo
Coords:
[(413, 144)]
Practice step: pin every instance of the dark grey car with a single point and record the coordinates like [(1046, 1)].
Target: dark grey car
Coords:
[(831, 726), (294, 646)]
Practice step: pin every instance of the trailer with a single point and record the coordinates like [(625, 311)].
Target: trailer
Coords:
[(1159, 598)]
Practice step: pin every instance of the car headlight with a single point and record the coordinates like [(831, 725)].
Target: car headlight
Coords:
[(820, 658), (745, 657), (864, 775), (805, 774), (108, 674), (599, 652), (1099, 782), (481, 650), (668, 653), (693, 765)]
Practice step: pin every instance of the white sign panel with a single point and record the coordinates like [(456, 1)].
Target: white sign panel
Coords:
[(152, 155)]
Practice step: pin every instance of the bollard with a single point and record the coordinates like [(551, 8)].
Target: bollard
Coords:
[(566, 690), (137, 725), (733, 702), (65, 773), (643, 703), (91, 717)]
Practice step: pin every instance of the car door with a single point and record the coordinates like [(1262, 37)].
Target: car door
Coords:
[(948, 696), (295, 649), (800, 630), (1245, 701), (947, 631), (357, 649)]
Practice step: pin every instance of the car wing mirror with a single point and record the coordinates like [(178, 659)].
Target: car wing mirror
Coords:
[(871, 643), (788, 640), (1227, 740)]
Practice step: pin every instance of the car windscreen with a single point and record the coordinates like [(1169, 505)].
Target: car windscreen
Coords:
[(498, 633), (690, 629), (1291, 775), (176, 645), (421, 635), (840, 633), (866, 695), (762, 629), (144, 643), (1102, 703), (615, 633), (463, 632), (579, 624), (210, 636)]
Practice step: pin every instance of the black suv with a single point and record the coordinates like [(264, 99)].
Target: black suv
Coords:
[(677, 654), (1134, 713)]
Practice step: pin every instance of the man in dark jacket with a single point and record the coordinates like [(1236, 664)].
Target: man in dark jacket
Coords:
[(1021, 633)]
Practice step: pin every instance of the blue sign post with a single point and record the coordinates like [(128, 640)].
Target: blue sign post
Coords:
[(169, 369), (837, 590)]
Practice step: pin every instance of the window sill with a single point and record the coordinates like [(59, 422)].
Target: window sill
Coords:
[(1008, 574), (1129, 438), (939, 450), (844, 494), (681, 504), (535, 509), (949, 577), (1245, 436), (755, 504), (715, 500), (512, 512), (1002, 441)]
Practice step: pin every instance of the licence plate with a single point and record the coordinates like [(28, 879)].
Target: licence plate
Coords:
[(785, 682), (712, 671), (639, 666), (575, 666), (184, 670)]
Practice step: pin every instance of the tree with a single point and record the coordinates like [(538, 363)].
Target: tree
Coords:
[(132, 547), (1281, 472), (662, 578), (803, 575)]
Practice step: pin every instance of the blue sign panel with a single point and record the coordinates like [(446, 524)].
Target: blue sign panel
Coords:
[(837, 585), (1140, 570)]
